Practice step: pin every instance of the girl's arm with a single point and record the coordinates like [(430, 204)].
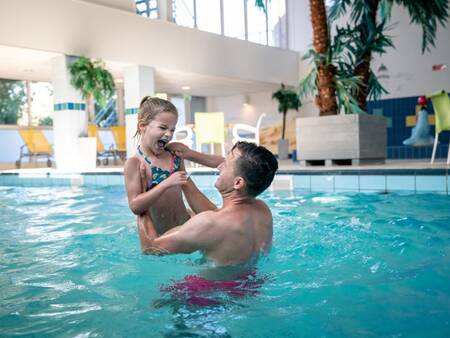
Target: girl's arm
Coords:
[(140, 200)]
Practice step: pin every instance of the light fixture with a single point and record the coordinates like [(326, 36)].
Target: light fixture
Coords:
[(186, 88), (246, 100), (28, 70), (118, 81)]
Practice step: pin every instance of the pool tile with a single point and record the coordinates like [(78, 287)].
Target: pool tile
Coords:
[(89, 180), (346, 182), (116, 180), (372, 183), (431, 183), (403, 183), (322, 182), (282, 183), (302, 182), (202, 181), (101, 180)]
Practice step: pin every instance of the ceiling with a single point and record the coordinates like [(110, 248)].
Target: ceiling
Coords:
[(35, 65)]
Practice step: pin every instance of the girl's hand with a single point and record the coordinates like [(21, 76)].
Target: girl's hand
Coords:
[(178, 178)]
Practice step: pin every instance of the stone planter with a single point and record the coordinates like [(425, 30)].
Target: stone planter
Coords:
[(341, 139)]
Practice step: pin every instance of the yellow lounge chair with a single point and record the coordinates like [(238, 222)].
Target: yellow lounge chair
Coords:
[(120, 140), (36, 145), (210, 129), (441, 106)]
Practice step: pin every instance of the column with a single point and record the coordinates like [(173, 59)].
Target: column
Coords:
[(138, 82), (72, 153), (120, 104), (165, 10)]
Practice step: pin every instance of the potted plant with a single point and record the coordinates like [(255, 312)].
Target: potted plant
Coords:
[(95, 83), (287, 99)]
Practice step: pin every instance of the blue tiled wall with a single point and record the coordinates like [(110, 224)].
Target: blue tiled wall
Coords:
[(396, 111)]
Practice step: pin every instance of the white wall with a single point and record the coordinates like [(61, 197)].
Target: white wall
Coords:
[(82, 28), (410, 73), (236, 112)]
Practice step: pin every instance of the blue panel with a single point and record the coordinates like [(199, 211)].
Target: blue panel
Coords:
[(405, 183), (431, 183), (346, 182), (302, 182), (322, 182), (372, 182)]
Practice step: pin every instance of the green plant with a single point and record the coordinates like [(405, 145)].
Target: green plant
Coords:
[(45, 121), (366, 35), (287, 99), (94, 81), (12, 97)]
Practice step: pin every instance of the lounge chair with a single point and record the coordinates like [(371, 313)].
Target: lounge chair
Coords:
[(210, 129), (184, 135), (35, 145), (103, 154), (120, 140), (441, 106), (254, 131)]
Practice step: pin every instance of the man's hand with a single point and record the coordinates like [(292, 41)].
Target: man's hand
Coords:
[(143, 175), (179, 149)]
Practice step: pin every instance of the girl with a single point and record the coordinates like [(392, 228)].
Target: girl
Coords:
[(165, 173)]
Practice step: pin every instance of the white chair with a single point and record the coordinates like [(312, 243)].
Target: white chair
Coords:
[(184, 135), (241, 127)]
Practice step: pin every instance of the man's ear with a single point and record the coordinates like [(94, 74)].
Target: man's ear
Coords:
[(239, 183)]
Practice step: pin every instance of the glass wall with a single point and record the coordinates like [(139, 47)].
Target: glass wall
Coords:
[(208, 16), (148, 8), (239, 19), (234, 18)]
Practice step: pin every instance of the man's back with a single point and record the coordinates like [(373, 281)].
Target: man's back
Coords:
[(239, 232)]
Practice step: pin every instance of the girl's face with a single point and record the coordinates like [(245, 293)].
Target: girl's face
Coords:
[(159, 132)]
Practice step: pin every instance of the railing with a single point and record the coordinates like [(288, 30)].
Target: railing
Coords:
[(107, 115)]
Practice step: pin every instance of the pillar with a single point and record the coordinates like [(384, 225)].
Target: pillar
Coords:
[(138, 82), (71, 153)]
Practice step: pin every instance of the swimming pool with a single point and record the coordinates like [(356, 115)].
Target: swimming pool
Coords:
[(344, 264)]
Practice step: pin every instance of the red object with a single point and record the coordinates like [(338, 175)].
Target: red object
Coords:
[(422, 100)]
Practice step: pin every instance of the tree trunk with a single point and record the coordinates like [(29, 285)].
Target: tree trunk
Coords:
[(91, 108), (326, 98), (363, 68), (284, 125)]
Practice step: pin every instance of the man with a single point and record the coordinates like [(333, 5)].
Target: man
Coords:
[(239, 230)]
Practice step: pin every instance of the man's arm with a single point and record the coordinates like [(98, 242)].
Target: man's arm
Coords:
[(195, 235), (195, 198), (183, 151)]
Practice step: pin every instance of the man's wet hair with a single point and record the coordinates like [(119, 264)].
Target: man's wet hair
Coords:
[(256, 165)]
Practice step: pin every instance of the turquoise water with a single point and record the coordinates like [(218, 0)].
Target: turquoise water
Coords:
[(341, 265)]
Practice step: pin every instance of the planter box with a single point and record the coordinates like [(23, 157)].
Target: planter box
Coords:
[(357, 139)]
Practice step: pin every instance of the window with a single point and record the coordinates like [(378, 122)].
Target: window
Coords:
[(276, 13), (208, 16), (147, 8), (234, 18), (184, 13), (256, 19)]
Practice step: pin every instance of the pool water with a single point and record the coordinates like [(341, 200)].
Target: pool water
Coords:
[(341, 265)]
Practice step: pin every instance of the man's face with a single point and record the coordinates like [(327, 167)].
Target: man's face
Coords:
[(225, 181)]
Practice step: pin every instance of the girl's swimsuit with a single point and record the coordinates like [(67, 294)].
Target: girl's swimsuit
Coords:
[(157, 174)]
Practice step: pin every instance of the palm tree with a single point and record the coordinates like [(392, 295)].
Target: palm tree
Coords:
[(326, 88), (369, 35), (94, 81), (287, 99)]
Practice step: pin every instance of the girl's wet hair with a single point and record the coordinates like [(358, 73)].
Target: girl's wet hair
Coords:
[(150, 107)]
